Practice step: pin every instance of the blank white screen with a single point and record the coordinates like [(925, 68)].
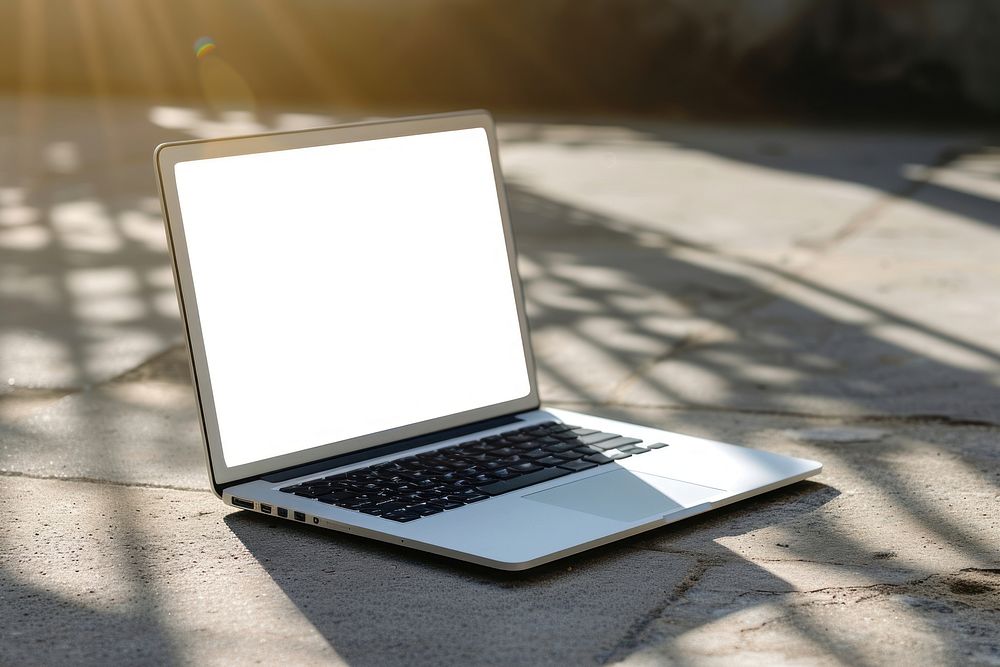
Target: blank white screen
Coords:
[(349, 289)]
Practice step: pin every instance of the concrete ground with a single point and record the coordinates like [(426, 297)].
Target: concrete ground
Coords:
[(823, 293)]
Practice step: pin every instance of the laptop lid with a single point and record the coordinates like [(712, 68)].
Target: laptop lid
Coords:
[(344, 288)]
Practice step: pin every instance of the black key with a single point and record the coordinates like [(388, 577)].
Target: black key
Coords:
[(319, 483), (462, 498), (506, 473), (469, 497), (548, 440), (571, 455), (291, 489), (521, 437), (525, 466), (577, 466), (425, 510), (357, 504), (527, 445), (337, 498), (559, 428), (416, 477), (534, 454), (374, 511), (594, 438), (502, 442), (445, 504), (561, 447), (584, 431), (530, 479), (401, 517), (544, 424), (505, 451), (312, 492), (484, 479), (615, 443), (656, 445), (391, 505), (549, 461), (599, 459), (632, 449)]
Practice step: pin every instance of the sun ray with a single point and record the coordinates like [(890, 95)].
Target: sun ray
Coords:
[(165, 33), (97, 72), (293, 37), (32, 84), (137, 34)]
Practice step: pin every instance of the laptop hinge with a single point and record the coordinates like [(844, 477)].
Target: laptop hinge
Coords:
[(383, 450)]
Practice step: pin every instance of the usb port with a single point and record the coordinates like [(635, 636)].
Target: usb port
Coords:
[(245, 504), (300, 516), (282, 512), (266, 509)]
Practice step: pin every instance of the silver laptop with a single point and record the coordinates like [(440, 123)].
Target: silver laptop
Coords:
[(362, 361)]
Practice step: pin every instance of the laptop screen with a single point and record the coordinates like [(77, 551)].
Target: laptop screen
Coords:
[(349, 289)]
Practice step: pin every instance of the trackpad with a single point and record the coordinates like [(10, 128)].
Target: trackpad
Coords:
[(625, 495)]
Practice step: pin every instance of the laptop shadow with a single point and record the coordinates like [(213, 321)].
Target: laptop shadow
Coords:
[(381, 604)]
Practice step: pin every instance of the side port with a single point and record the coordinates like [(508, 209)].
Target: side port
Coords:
[(266, 509), (300, 516), (245, 504), (282, 512)]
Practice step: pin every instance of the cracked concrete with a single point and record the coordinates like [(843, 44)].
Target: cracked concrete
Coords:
[(822, 293)]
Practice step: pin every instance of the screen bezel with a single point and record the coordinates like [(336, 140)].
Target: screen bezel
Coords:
[(167, 155)]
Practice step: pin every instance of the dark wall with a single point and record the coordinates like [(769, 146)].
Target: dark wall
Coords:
[(686, 57)]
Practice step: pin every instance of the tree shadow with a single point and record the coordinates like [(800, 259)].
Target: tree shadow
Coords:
[(382, 604), (92, 627)]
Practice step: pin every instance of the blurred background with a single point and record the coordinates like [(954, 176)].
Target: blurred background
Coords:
[(834, 59)]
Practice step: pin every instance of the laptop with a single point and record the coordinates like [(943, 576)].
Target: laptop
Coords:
[(361, 355)]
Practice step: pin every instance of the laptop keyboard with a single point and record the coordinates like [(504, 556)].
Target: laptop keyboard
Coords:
[(445, 479)]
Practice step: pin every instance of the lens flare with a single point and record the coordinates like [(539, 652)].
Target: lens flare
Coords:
[(203, 46)]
